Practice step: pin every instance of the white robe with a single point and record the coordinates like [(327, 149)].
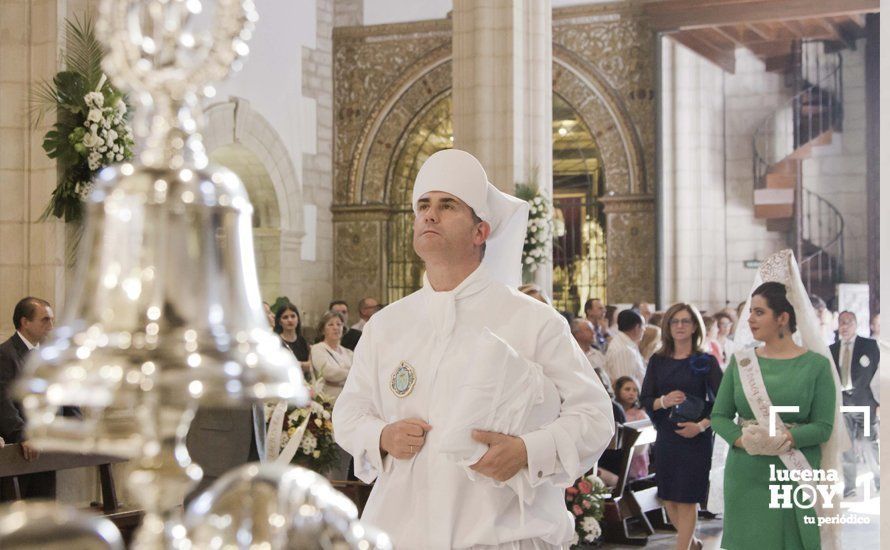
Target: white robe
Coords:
[(428, 501)]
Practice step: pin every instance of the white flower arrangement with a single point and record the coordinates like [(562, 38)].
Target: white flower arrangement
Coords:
[(539, 233), (591, 528), (107, 137), (316, 449), (91, 129)]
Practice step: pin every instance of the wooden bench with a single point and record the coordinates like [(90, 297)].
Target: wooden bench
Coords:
[(13, 464), (625, 504)]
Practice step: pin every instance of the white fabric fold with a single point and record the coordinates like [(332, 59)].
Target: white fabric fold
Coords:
[(499, 392)]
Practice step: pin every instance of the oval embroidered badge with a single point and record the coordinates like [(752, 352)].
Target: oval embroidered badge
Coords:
[(403, 379)]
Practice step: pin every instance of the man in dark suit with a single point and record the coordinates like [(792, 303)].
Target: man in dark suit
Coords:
[(33, 319), (857, 361)]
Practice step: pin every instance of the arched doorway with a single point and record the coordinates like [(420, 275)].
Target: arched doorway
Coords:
[(579, 240), (266, 222)]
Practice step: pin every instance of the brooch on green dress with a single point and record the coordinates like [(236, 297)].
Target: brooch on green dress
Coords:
[(403, 379)]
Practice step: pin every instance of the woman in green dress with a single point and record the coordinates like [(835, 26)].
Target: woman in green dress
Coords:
[(792, 376)]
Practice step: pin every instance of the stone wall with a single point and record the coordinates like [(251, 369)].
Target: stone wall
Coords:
[(837, 171), (33, 258), (316, 268), (348, 13), (709, 119), (751, 95), (693, 209)]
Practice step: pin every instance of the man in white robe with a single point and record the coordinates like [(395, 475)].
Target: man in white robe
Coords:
[(402, 383)]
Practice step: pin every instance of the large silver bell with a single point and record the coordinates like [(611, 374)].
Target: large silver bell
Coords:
[(52, 526), (278, 507), (166, 301)]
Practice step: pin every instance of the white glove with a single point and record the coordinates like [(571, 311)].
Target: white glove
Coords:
[(757, 441)]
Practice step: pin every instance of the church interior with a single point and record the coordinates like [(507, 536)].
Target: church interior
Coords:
[(677, 144)]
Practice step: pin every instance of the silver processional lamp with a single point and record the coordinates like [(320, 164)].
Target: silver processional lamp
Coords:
[(165, 311)]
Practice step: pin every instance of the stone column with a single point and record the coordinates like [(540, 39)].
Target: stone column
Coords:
[(33, 259), (630, 246), (502, 92)]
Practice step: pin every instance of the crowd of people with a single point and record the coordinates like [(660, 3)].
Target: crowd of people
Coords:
[(679, 370), (417, 378)]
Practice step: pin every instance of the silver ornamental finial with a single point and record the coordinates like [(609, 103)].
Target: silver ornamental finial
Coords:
[(168, 53)]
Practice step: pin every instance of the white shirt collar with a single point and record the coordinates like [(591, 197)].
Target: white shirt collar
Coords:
[(27, 343)]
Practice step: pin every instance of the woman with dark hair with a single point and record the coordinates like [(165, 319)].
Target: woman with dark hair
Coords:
[(290, 329), (677, 392), (779, 373)]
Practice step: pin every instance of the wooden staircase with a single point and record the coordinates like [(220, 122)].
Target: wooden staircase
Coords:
[(788, 137)]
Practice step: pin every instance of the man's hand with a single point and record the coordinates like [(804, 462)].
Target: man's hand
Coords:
[(2, 443), (505, 457), (405, 438), (29, 451)]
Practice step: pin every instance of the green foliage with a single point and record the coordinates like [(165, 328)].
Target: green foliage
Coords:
[(280, 302), (526, 191)]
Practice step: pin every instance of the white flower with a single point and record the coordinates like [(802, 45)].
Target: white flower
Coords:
[(91, 140), (112, 136), (309, 443), (575, 539), (95, 115), (94, 160), (94, 99), (592, 528), (118, 157), (83, 188), (120, 107)]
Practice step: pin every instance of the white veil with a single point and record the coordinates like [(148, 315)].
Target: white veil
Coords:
[(781, 267)]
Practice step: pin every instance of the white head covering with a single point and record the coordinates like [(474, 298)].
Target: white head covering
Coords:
[(781, 267), (458, 173)]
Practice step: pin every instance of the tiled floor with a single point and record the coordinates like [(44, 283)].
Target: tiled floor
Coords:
[(859, 537)]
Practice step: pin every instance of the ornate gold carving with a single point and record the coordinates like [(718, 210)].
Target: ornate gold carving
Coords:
[(618, 53), (630, 256), (369, 76), (358, 259)]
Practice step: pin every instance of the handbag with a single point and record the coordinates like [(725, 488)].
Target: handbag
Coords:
[(691, 410)]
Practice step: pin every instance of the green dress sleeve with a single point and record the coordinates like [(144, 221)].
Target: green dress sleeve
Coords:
[(724, 411), (821, 421)]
